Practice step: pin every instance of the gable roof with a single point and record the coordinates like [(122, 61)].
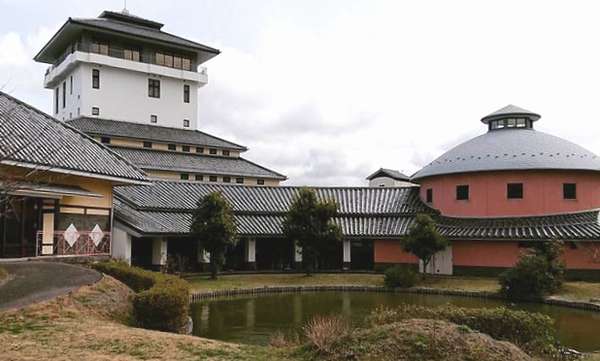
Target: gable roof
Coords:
[(116, 128), (148, 159), (30, 138), (390, 173)]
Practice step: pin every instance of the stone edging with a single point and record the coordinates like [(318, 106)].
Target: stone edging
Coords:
[(200, 296)]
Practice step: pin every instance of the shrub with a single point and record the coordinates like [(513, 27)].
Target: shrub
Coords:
[(536, 274), (325, 333), (161, 301), (3, 273), (399, 276), (533, 332)]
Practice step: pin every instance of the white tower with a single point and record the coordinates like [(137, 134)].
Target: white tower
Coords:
[(123, 67)]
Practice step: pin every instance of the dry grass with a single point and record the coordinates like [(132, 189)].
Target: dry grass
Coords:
[(88, 325), (326, 333), (581, 291)]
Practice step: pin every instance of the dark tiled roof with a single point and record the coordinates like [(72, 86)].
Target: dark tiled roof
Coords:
[(512, 149), (114, 128), (165, 208), (29, 136), (391, 173), (568, 226), (192, 163), (169, 195)]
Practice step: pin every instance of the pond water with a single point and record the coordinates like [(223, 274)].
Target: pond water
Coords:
[(253, 319)]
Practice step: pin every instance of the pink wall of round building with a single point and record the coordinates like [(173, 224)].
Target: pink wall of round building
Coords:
[(542, 193)]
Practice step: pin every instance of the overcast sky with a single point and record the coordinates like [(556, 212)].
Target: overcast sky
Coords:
[(327, 92)]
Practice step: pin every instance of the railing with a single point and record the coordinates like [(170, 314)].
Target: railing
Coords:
[(84, 245)]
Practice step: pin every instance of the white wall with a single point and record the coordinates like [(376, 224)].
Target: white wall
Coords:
[(389, 182), (123, 95), (121, 244)]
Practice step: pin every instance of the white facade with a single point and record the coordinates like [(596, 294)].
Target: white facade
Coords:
[(389, 182), (123, 91)]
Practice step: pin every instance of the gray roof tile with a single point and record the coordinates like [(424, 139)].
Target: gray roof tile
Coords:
[(391, 173), (30, 136), (115, 128), (193, 163)]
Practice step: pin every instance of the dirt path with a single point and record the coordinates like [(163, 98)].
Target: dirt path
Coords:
[(31, 282)]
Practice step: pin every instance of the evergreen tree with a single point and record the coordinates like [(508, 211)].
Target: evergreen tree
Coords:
[(309, 223), (423, 240), (214, 226)]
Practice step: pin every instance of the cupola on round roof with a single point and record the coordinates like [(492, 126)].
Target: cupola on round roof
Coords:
[(511, 143)]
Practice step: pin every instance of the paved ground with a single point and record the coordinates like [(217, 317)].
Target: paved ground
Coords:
[(33, 281)]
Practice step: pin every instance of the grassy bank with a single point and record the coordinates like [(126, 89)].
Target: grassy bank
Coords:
[(579, 291), (92, 325)]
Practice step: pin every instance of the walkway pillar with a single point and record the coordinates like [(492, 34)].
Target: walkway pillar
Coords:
[(159, 252), (250, 254), (347, 259), (297, 256)]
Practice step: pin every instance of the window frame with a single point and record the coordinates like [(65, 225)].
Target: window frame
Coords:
[(567, 192), (462, 192), (239, 180), (429, 195), (95, 78), (199, 177), (213, 178), (226, 179), (154, 88), (153, 118), (56, 99), (212, 151), (260, 182), (186, 123), (186, 93), (64, 94), (200, 150), (515, 191), (172, 147), (185, 148), (184, 176), (225, 152), (147, 144), (105, 140), (96, 111)]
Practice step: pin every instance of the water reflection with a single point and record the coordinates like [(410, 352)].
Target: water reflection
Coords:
[(252, 319)]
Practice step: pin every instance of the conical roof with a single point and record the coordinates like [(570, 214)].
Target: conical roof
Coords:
[(510, 111)]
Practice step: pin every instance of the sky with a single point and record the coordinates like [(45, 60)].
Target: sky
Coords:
[(327, 92)]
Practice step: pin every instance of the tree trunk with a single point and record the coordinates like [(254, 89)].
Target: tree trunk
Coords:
[(214, 267)]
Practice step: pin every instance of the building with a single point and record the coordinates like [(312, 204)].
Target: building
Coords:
[(384, 177), (492, 197), (56, 194), (129, 84)]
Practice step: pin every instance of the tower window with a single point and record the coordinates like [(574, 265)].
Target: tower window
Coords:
[(172, 147), (95, 111), (462, 192), (154, 88), (105, 140), (56, 94), (153, 118), (429, 195), (199, 150), (147, 144), (186, 93), (260, 182), (95, 78), (226, 153), (569, 190), (185, 148), (64, 94), (514, 190), (184, 176), (186, 123), (239, 180)]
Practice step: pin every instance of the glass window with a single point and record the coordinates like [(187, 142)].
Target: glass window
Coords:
[(154, 88), (239, 180), (184, 176), (177, 62), (105, 140), (226, 153), (172, 147), (95, 78), (99, 48), (56, 95), (95, 111), (199, 150), (130, 54), (64, 93), (212, 178), (514, 190), (521, 123), (160, 59), (511, 123), (153, 118), (169, 60), (185, 148), (570, 191), (212, 151), (462, 192), (199, 177), (186, 93), (71, 85), (147, 144), (260, 182), (226, 179), (429, 195), (186, 64), (186, 123)]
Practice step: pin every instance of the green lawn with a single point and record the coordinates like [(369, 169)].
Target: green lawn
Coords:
[(581, 291)]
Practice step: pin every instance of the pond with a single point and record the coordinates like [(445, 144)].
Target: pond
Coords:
[(253, 319)]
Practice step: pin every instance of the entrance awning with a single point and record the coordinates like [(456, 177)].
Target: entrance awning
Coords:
[(55, 191)]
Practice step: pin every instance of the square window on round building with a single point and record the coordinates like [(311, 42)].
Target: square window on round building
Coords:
[(462, 192), (569, 191), (514, 191)]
